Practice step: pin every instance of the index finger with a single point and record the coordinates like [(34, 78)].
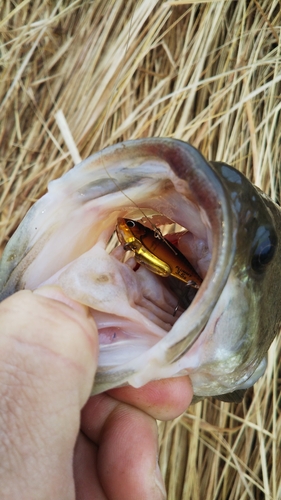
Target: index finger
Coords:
[(162, 399)]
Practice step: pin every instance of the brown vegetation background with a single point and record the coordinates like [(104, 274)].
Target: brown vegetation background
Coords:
[(206, 72)]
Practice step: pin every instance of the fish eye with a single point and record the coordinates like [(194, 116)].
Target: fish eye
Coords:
[(265, 243), (130, 223)]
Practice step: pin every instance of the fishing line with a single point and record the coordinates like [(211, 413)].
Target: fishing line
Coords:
[(157, 232)]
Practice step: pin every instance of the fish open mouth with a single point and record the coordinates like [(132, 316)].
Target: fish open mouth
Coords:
[(162, 300), (146, 323), (132, 306)]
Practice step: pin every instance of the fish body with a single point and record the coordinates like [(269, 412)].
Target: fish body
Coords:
[(232, 242)]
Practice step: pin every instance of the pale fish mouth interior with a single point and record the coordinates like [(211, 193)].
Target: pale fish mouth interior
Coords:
[(159, 301), (133, 308)]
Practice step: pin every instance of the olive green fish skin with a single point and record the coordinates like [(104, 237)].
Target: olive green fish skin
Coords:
[(259, 228), (256, 265)]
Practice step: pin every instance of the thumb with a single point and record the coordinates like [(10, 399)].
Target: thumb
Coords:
[(74, 337), (48, 358)]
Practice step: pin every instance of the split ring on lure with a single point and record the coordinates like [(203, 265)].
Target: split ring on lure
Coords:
[(156, 253)]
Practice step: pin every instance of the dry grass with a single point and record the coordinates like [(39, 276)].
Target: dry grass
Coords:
[(206, 72)]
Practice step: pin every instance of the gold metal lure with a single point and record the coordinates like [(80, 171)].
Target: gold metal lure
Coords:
[(156, 253)]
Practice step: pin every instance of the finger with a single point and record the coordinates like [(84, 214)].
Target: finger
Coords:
[(128, 449), (163, 399), (87, 483), (47, 319), (48, 356)]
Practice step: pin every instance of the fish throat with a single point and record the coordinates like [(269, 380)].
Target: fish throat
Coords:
[(145, 245)]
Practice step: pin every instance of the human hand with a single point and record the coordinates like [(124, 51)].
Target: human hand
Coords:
[(48, 448)]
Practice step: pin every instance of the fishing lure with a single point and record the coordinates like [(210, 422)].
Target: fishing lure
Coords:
[(155, 252)]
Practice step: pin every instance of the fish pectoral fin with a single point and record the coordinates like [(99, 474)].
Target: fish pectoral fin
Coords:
[(232, 397)]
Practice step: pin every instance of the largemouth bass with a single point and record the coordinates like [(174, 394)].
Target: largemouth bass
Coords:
[(226, 228)]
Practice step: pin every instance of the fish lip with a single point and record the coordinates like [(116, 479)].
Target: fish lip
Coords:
[(174, 345), (184, 161)]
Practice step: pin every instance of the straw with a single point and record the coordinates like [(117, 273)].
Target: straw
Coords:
[(204, 72)]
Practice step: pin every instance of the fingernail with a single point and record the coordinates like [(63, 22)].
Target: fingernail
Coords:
[(160, 483)]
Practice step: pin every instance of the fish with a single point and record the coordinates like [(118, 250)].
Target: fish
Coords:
[(224, 226)]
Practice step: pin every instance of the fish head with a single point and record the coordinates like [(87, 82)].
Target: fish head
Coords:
[(228, 231), (247, 315), (255, 270)]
